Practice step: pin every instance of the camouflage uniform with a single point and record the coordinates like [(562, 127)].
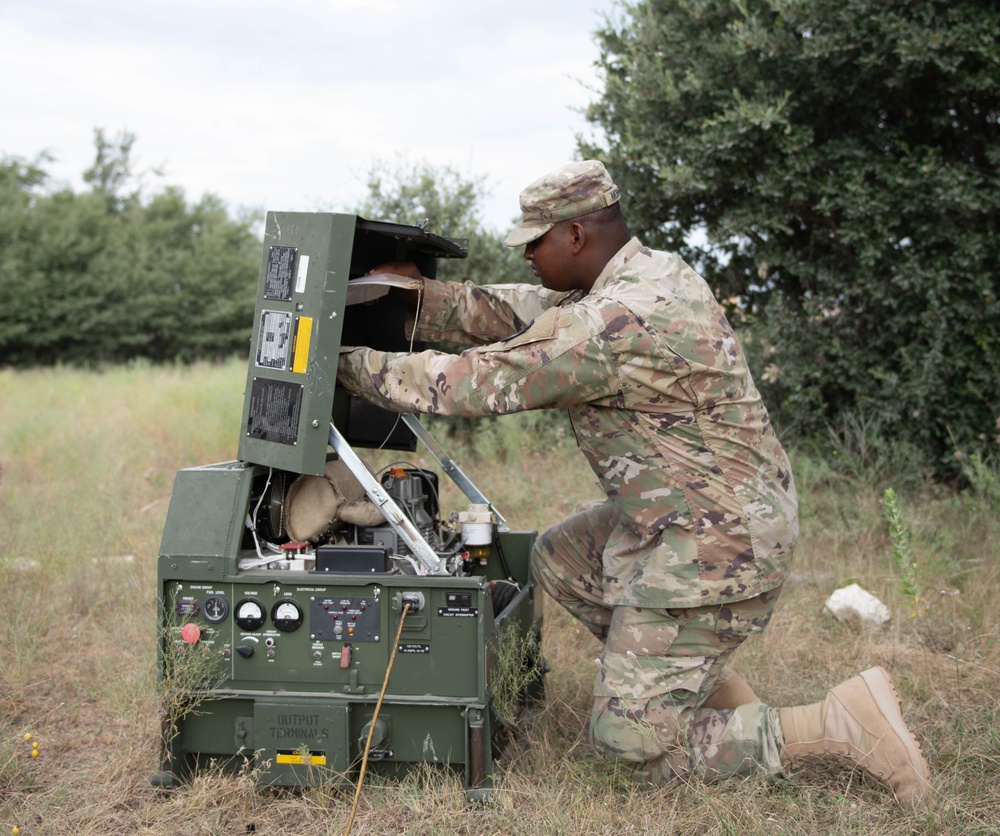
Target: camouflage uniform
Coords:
[(686, 556)]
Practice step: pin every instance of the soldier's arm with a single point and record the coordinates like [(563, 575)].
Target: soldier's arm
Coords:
[(563, 358), (468, 313), (473, 314)]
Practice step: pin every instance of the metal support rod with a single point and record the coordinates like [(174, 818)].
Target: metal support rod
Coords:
[(456, 474), (400, 523), (477, 756)]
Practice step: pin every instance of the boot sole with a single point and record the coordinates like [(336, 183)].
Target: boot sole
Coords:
[(887, 700)]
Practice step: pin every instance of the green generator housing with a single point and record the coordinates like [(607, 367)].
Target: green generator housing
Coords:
[(273, 653)]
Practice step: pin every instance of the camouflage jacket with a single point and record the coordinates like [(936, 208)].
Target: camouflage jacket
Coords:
[(662, 403)]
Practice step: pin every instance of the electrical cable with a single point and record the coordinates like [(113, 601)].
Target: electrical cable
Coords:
[(501, 594), (251, 523), (371, 725)]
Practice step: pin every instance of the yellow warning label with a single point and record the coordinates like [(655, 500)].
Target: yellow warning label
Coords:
[(315, 758), (303, 337)]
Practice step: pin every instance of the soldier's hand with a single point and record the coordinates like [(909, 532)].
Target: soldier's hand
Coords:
[(400, 268)]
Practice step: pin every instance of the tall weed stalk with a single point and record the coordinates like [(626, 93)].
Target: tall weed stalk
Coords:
[(901, 554)]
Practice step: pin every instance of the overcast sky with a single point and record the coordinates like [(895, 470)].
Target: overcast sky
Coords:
[(286, 104)]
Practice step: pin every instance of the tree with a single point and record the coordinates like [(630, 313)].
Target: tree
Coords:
[(109, 275), (840, 157), (112, 170), (449, 204), (21, 187), (414, 193)]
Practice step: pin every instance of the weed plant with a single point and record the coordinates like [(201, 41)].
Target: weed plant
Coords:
[(519, 669), (901, 554), (87, 461)]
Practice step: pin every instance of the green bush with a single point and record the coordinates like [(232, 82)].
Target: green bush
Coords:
[(107, 275), (831, 166)]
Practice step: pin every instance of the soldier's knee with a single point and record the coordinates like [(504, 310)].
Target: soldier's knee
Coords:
[(612, 734), (653, 739), (635, 730)]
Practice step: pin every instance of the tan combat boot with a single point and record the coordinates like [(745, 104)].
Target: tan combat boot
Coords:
[(860, 721), (731, 691)]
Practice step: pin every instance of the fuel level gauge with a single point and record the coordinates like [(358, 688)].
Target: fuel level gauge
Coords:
[(215, 608)]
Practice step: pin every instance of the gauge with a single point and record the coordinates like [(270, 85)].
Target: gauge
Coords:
[(287, 615), (250, 614), (214, 608)]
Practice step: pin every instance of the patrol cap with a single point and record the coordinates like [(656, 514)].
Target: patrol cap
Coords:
[(568, 192)]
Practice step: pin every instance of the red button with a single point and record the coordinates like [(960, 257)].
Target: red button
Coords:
[(191, 633)]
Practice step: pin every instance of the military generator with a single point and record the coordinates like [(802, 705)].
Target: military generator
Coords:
[(315, 614)]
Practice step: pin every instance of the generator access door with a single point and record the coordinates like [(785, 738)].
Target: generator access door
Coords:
[(300, 322)]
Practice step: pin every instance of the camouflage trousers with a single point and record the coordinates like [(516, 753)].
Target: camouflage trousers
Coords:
[(659, 666)]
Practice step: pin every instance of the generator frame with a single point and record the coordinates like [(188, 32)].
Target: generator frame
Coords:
[(275, 662)]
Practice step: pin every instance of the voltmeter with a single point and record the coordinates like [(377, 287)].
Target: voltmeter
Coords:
[(249, 614)]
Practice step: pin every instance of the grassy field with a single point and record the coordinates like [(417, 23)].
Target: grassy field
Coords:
[(87, 462)]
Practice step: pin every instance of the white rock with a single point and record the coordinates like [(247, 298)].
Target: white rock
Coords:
[(854, 602), (22, 564)]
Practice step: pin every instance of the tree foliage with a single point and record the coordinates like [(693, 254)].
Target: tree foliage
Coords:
[(449, 203), (841, 158), (114, 273), (106, 275)]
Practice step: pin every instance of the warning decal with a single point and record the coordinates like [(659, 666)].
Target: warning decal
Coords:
[(303, 337), (274, 410), (295, 756), (280, 273)]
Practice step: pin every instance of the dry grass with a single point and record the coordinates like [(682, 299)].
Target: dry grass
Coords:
[(86, 466)]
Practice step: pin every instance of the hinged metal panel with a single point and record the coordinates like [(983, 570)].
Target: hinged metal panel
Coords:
[(292, 370)]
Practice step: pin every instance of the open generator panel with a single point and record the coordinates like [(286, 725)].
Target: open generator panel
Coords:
[(277, 625)]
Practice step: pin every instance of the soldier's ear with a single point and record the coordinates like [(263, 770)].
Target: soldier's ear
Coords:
[(576, 237)]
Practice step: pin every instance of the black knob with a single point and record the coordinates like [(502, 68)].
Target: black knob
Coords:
[(245, 650)]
